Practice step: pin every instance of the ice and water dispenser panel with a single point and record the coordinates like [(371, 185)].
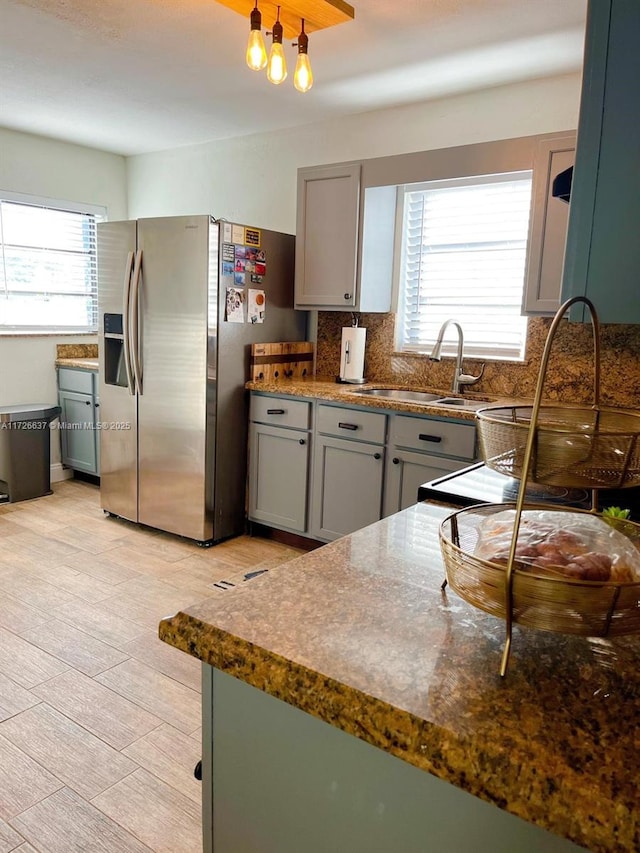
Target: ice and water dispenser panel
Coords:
[(115, 372)]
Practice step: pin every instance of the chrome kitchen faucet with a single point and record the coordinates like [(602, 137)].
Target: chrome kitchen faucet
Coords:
[(460, 379)]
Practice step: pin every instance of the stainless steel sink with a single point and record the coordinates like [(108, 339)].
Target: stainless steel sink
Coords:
[(407, 396), (460, 403), (399, 394)]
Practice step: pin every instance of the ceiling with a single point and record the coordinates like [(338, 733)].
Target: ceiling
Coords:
[(132, 76)]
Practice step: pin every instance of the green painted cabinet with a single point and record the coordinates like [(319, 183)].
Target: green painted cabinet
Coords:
[(79, 418), (279, 447), (602, 259)]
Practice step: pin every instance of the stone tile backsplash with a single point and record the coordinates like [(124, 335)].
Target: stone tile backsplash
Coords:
[(569, 376)]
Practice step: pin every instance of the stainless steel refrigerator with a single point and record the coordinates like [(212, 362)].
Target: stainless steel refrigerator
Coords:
[(173, 442)]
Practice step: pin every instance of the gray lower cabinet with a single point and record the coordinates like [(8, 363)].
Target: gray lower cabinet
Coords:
[(279, 447), (278, 475), (348, 470), (407, 471), (422, 449), (79, 417), (348, 477), (365, 463)]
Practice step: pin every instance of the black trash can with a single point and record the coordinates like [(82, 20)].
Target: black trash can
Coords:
[(25, 451)]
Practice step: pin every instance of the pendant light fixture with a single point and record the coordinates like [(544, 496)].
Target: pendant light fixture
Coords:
[(277, 65), (256, 50), (308, 15), (303, 76)]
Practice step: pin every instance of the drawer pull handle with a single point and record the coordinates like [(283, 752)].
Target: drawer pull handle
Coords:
[(426, 437), (347, 426), (395, 460), (301, 441), (276, 411), (377, 455), (87, 402)]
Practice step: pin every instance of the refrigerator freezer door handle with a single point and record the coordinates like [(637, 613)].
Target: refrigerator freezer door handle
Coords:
[(134, 321), (125, 313)]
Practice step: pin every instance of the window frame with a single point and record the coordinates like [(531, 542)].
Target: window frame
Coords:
[(99, 212), (449, 346)]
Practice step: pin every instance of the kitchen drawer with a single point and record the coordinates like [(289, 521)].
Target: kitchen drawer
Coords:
[(352, 423), (280, 411), (80, 381), (434, 436)]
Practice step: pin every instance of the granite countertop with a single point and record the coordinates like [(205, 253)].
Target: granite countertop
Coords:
[(83, 363), (359, 634), (328, 389)]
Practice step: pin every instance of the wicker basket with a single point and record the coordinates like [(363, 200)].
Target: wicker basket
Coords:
[(567, 446), (587, 608), (573, 446)]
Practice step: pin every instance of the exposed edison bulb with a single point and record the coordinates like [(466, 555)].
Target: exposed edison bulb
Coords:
[(277, 67), (256, 51), (303, 76)]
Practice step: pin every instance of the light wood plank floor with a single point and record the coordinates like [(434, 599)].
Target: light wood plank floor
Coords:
[(99, 720)]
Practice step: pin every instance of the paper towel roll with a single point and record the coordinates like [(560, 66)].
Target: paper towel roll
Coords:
[(352, 354)]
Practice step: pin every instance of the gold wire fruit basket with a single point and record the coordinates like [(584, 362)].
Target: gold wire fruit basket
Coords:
[(574, 446), (568, 446), (537, 599), (589, 447)]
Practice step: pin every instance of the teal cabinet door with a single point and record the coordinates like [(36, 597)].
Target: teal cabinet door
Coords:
[(347, 486), (407, 471), (77, 431), (602, 257), (278, 476)]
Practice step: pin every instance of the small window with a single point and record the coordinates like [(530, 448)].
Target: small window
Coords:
[(463, 255), (48, 280)]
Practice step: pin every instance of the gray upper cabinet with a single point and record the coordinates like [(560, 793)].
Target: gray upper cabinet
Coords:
[(603, 250), (344, 241), (547, 226)]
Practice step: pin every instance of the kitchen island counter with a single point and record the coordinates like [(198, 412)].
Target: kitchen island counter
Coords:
[(359, 635)]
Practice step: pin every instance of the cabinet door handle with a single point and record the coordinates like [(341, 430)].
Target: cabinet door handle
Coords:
[(426, 437), (276, 411), (87, 402), (347, 296), (395, 460), (97, 405), (377, 455), (302, 441), (347, 426)]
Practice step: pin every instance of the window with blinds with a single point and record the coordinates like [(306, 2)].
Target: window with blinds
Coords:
[(48, 275), (464, 245)]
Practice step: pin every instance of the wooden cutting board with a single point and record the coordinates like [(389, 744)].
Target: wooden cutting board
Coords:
[(280, 361)]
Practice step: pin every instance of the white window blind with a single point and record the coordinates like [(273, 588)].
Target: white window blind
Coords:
[(463, 257), (48, 275)]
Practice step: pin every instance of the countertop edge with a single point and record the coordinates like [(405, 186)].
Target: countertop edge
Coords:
[(417, 741), (84, 363), (347, 395)]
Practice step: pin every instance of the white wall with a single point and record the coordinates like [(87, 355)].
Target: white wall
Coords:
[(46, 167), (253, 178)]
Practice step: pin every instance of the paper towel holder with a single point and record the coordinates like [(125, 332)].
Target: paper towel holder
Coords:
[(346, 355)]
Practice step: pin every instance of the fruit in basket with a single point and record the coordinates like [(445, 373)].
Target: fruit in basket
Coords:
[(578, 546)]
